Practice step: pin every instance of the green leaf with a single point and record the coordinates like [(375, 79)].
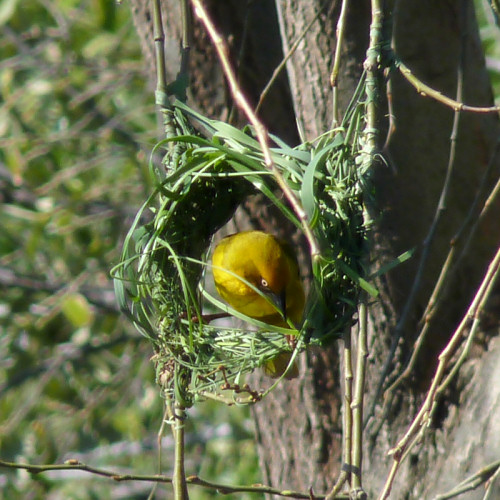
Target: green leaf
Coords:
[(356, 278), (230, 133), (77, 310), (398, 260), (307, 194)]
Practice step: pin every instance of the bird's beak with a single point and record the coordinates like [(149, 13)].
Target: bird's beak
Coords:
[(279, 300)]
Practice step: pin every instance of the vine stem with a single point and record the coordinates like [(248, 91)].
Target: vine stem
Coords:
[(336, 60), (357, 403), (346, 470), (179, 477)]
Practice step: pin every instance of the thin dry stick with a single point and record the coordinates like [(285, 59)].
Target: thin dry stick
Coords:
[(166, 417), (490, 485), (349, 376), (427, 91), (338, 485), (259, 128), (186, 36), (468, 345), (494, 193), (472, 482), (159, 39), (424, 414), (391, 128), (161, 96), (487, 204), (73, 464), (451, 265)]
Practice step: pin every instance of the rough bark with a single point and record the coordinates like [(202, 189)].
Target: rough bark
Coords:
[(299, 425), (310, 65)]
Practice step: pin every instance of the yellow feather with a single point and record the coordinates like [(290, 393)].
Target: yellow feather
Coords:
[(270, 265)]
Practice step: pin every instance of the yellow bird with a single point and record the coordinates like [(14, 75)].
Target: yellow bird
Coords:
[(270, 266)]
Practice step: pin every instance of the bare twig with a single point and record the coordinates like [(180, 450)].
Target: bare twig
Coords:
[(471, 483), (159, 39), (427, 91), (187, 29), (73, 464), (358, 401), (164, 423), (346, 470), (178, 430)]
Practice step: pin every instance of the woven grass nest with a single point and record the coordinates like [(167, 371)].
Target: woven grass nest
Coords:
[(202, 180)]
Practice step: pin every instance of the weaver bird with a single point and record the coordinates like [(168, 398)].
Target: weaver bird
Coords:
[(270, 266)]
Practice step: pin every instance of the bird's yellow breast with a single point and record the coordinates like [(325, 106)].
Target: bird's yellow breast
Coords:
[(269, 265)]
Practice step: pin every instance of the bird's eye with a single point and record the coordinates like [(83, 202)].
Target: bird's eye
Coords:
[(264, 284)]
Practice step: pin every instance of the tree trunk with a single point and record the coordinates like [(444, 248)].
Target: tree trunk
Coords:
[(299, 425)]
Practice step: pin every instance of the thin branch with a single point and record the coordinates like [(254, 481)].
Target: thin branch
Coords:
[(346, 470), (427, 91), (452, 263), (187, 34), (490, 485), (371, 135), (450, 267), (223, 489), (336, 60), (164, 421), (471, 483), (358, 401), (178, 430), (159, 39)]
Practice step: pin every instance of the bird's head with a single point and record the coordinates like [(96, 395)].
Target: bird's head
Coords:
[(272, 276)]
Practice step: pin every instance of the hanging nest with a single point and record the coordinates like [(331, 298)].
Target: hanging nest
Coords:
[(202, 180)]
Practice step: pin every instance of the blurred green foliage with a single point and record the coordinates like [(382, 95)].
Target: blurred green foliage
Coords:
[(489, 25), (77, 123)]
